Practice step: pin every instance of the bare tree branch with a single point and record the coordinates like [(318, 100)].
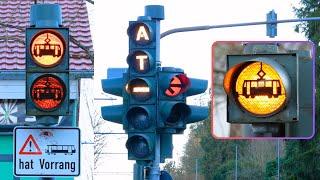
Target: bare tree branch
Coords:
[(96, 123)]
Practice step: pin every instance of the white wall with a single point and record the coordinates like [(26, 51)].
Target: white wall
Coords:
[(87, 146)]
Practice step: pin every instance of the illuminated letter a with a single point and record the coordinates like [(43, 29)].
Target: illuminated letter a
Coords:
[(142, 33)]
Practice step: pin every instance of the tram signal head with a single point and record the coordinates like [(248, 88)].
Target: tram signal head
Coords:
[(47, 49), (261, 88), (47, 67), (47, 92), (140, 89), (142, 47)]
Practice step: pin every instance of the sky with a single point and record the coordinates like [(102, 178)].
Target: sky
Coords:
[(190, 51)]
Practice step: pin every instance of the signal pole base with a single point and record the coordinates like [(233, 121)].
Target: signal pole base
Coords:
[(155, 168), (154, 173), (46, 178), (47, 120), (266, 130)]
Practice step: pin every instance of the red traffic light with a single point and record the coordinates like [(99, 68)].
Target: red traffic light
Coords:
[(47, 92), (178, 84)]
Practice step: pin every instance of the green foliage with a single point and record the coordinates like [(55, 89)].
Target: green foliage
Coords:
[(215, 162), (302, 157), (271, 169), (216, 158), (302, 160), (192, 152), (310, 8)]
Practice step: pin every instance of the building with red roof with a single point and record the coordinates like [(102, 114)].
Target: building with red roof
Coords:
[(14, 19)]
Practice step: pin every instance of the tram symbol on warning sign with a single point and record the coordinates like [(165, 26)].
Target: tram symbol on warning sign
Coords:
[(30, 147)]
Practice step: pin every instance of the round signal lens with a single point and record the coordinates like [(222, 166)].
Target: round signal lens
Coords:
[(138, 146), (139, 61), (138, 117), (48, 92), (140, 33), (178, 84), (139, 89), (259, 89), (47, 48)]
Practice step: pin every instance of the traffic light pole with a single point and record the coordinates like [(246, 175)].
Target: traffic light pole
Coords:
[(208, 27), (156, 13), (155, 169), (138, 172), (47, 120)]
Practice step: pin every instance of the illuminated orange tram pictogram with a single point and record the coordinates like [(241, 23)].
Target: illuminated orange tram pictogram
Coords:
[(259, 89), (48, 92), (261, 86), (252, 88), (47, 48)]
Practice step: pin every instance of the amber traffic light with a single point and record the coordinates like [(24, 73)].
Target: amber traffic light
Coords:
[(259, 89), (47, 48)]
